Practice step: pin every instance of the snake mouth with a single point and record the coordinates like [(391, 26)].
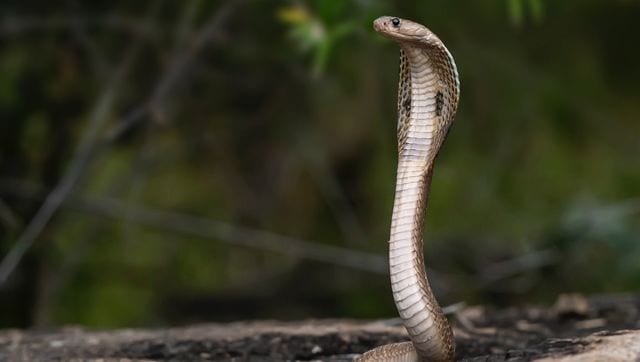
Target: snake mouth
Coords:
[(381, 23)]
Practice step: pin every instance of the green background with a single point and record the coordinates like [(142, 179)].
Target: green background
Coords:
[(232, 160)]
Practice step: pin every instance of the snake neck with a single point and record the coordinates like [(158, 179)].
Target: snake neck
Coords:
[(428, 93), (421, 107)]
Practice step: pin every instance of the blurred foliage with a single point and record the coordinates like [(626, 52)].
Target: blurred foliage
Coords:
[(517, 11), (280, 117)]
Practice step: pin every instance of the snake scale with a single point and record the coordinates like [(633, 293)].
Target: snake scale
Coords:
[(428, 94)]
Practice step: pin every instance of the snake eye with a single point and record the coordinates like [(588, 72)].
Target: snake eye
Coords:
[(395, 22)]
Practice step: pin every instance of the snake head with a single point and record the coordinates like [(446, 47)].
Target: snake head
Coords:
[(401, 30)]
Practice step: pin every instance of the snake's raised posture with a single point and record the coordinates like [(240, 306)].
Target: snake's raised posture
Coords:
[(428, 95)]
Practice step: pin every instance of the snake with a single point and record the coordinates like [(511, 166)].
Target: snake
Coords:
[(428, 94)]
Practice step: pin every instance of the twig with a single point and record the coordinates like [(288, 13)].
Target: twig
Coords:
[(454, 308), (213, 229), (518, 264)]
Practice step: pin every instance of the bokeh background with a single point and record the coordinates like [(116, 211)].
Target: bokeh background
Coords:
[(168, 162)]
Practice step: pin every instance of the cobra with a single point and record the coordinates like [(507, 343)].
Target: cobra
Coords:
[(428, 94)]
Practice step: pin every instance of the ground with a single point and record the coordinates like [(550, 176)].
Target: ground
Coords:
[(575, 328)]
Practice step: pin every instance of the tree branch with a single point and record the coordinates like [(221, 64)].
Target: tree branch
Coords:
[(211, 229)]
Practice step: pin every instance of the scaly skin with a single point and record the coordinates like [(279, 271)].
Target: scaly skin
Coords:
[(428, 95)]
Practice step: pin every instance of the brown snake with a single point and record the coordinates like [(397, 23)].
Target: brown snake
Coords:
[(428, 95)]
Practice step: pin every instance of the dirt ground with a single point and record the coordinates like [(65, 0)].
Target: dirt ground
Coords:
[(575, 328)]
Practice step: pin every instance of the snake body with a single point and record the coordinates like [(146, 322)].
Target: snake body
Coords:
[(428, 94)]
